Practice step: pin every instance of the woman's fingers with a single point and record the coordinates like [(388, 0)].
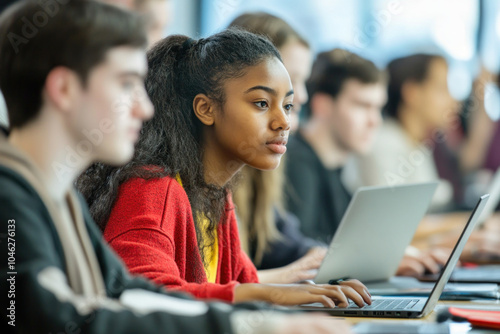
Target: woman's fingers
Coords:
[(334, 292), (327, 295), (353, 295), (327, 302), (360, 288), (354, 291), (350, 289)]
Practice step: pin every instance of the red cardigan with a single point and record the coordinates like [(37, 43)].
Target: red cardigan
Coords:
[(151, 227)]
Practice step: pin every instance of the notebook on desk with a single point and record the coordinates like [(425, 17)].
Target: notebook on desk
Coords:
[(404, 307)]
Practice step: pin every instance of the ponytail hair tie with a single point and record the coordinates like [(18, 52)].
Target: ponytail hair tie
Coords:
[(185, 46), (188, 43)]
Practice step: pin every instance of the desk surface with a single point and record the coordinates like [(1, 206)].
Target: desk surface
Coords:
[(455, 328)]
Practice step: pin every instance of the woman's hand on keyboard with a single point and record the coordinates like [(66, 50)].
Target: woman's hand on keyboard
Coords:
[(298, 294)]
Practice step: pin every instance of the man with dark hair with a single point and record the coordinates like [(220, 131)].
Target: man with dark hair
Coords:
[(72, 72), (347, 94), (419, 108)]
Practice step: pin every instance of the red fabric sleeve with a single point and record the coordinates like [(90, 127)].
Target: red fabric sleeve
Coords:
[(149, 253), (247, 272), (152, 229)]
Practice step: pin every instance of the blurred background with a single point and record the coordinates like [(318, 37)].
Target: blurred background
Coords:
[(466, 33)]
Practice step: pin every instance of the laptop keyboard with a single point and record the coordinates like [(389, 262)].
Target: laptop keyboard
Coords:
[(388, 304)]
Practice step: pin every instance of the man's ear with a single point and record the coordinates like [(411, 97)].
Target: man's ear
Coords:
[(204, 109), (61, 88)]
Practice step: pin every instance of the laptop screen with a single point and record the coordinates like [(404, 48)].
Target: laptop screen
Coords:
[(455, 255)]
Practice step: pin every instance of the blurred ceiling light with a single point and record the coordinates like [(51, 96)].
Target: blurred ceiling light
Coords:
[(452, 36), (459, 80)]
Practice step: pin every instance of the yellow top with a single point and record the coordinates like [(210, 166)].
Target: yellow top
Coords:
[(211, 254)]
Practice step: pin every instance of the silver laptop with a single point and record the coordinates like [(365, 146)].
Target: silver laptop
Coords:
[(404, 307), (379, 223)]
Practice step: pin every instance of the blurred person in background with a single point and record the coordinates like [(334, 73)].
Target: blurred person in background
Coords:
[(478, 156), (269, 234), (419, 107), (484, 132), (347, 94), (157, 13)]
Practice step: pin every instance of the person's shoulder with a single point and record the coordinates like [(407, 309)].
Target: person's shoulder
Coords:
[(297, 142), (13, 184), (391, 137), (163, 185), (17, 194), (299, 149), (392, 131)]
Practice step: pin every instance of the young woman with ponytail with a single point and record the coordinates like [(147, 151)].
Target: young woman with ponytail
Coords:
[(221, 102), (270, 234)]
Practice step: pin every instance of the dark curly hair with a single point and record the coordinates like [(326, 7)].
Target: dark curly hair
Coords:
[(179, 69)]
